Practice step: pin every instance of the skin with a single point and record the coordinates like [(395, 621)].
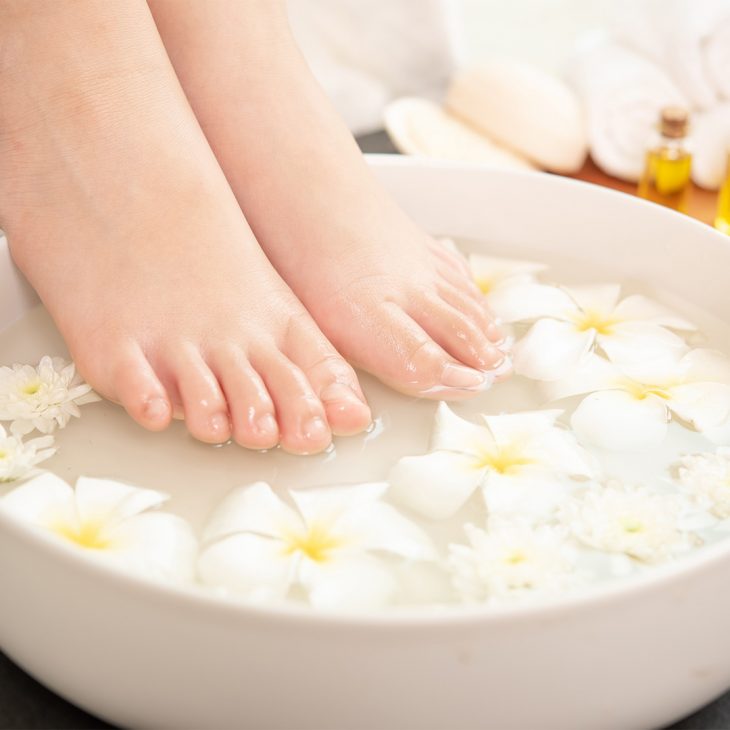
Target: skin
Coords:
[(138, 228)]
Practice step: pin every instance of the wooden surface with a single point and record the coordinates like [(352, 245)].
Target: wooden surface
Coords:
[(702, 203)]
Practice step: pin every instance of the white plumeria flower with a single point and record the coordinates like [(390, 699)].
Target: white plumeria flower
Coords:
[(18, 458), (631, 403), (110, 522), (706, 478), (569, 322), (43, 397), (513, 561), (519, 460), (332, 546), (631, 520), (495, 275)]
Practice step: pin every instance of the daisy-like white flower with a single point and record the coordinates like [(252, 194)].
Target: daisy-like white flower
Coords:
[(631, 403), (569, 322), (619, 518), (43, 397), (513, 561), (18, 458), (495, 275), (706, 478), (520, 461), (109, 521), (331, 546)]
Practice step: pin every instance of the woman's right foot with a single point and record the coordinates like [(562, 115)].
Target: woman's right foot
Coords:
[(118, 214)]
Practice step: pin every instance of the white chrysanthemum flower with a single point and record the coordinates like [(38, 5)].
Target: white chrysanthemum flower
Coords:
[(18, 458), (631, 403), (111, 522), (43, 397), (631, 520), (706, 478), (512, 561), (331, 546), (495, 275), (569, 322), (519, 460)]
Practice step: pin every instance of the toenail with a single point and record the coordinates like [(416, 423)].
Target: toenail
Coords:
[(460, 376), (267, 425), (315, 429), (219, 423), (157, 409), (494, 333), (339, 392)]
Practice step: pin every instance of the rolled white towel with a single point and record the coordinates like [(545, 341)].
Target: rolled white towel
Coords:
[(690, 39), (623, 94), (711, 145)]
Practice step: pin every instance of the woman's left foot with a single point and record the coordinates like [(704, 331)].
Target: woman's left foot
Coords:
[(391, 299)]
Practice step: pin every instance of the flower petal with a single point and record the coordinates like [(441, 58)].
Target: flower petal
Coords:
[(435, 485), (704, 405), (631, 342), (600, 298), (617, 421), (491, 271), (110, 502), (248, 565), (511, 428), (45, 500), (640, 308), (453, 433), (532, 497), (551, 350), (594, 373), (559, 450), (719, 434), (156, 544), (254, 508), (706, 365), (526, 301), (354, 581), (327, 504)]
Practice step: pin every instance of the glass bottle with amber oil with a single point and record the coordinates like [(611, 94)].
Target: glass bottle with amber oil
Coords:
[(666, 177), (722, 222)]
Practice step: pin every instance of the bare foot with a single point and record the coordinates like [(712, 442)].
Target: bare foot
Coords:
[(391, 299), (119, 215)]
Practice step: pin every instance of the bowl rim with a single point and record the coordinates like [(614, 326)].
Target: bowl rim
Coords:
[(197, 598)]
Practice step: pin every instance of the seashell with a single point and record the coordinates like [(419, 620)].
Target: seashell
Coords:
[(523, 108), (422, 128)]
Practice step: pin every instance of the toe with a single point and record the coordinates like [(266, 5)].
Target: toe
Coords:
[(204, 406), (252, 412), (139, 390), (456, 333), (300, 414)]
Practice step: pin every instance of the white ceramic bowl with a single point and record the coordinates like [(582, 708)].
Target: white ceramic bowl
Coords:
[(635, 655)]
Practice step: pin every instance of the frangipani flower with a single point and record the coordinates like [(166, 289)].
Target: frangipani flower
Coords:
[(495, 275), (631, 520), (513, 561), (17, 459), (519, 460), (707, 480), (631, 403), (110, 521), (43, 398), (571, 321), (332, 546)]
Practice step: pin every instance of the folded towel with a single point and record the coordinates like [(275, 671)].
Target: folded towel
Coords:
[(367, 53), (623, 94), (690, 39), (711, 146)]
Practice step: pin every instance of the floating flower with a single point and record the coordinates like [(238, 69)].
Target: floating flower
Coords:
[(519, 460), (43, 398), (495, 275), (631, 520), (17, 459), (109, 521), (572, 321), (513, 561), (332, 546), (707, 480), (631, 403)]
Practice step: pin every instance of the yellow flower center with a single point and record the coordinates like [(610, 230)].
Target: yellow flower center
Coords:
[(641, 391), (516, 557), (317, 543), (632, 525), (592, 320), (31, 388), (485, 284), (4, 455), (88, 535), (507, 460)]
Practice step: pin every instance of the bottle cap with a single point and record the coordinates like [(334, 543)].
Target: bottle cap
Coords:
[(674, 122)]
